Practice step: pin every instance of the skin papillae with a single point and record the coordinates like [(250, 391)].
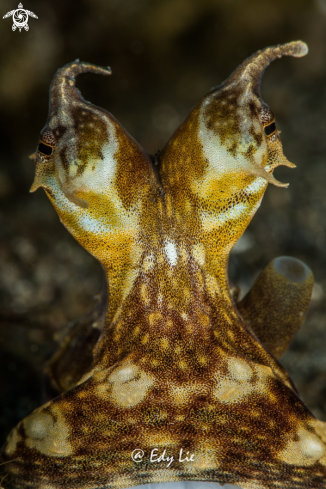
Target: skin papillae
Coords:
[(172, 363)]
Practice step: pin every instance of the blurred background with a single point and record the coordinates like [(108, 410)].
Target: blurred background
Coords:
[(165, 55)]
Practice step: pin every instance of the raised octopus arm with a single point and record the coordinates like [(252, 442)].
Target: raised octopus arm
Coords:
[(276, 306)]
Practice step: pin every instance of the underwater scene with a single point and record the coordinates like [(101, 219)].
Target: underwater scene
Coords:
[(163, 244)]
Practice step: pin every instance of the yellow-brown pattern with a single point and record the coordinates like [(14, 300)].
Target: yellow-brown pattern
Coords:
[(166, 361)]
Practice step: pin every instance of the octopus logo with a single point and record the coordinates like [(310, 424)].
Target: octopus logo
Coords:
[(20, 18)]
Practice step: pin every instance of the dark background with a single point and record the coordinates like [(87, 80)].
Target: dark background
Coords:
[(165, 55)]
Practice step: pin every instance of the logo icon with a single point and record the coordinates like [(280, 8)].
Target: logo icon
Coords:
[(20, 18)]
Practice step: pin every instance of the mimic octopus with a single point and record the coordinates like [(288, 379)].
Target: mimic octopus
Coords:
[(170, 378)]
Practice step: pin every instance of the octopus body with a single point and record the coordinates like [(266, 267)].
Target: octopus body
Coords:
[(170, 379)]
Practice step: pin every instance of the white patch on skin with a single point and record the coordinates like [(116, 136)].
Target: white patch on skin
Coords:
[(256, 125), (171, 252), (198, 252), (256, 186), (211, 221), (238, 384), (49, 435), (305, 451), (221, 161), (105, 169), (84, 217), (240, 370), (231, 391), (320, 429), (127, 385)]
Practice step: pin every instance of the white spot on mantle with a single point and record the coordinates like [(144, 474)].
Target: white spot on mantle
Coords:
[(171, 252), (127, 385), (306, 449)]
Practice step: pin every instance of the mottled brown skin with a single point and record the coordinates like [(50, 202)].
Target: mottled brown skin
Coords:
[(175, 365), (274, 310)]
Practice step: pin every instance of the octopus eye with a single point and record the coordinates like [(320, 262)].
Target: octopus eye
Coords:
[(270, 129), (45, 149), (46, 146)]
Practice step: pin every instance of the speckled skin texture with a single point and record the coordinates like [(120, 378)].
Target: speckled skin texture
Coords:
[(173, 365)]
